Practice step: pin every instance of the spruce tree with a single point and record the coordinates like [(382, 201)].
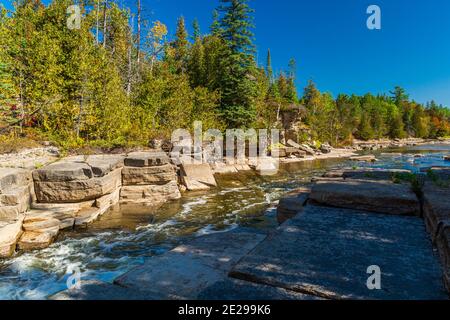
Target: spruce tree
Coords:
[(238, 83), (196, 26), (181, 46)]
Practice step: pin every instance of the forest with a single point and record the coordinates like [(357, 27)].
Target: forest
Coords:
[(120, 80)]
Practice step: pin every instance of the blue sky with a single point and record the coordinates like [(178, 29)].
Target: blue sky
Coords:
[(332, 45)]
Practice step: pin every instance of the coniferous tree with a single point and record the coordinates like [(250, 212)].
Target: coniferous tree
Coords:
[(238, 84)]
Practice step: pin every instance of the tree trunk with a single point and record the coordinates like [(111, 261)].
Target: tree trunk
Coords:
[(104, 23), (98, 22), (130, 62), (138, 40)]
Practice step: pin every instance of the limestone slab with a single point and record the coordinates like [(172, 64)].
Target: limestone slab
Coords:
[(79, 190), (31, 240), (148, 175), (188, 270), (150, 193), (146, 159), (233, 289), (327, 251), (374, 196)]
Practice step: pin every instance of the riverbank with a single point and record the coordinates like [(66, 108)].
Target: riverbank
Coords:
[(348, 222), (197, 203)]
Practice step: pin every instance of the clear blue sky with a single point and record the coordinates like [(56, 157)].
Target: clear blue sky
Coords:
[(332, 45)]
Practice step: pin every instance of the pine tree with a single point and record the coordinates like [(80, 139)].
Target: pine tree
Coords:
[(197, 33), (215, 26), (181, 46)]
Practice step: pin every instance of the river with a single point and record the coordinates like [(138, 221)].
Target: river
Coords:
[(124, 237)]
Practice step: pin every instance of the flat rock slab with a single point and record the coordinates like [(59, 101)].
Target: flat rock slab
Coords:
[(146, 159), (97, 290), (233, 289), (326, 252), (188, 270), (436, 207), (79, 168), (374, 196), (151, 194)]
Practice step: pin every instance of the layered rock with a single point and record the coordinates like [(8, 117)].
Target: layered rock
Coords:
[(148, 178), (15, 193), (369, 195), (78, 179)]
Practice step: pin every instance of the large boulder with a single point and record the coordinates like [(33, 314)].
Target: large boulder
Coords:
[(150, 194), (148, 175), (374, 196), (197, 176), (11, 178), (78, 190)]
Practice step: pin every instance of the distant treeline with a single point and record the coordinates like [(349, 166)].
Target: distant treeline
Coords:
[(120, 80)]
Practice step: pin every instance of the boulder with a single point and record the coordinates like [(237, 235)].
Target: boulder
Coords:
[(151, 194), (41, 224), (78, 190), (302, 147), (16, 196), (9, 235), (366, 158), (197, 176), (31, 240), (447, 158), (146, 159), (11, 178), (291, 204), (374, 196), (148, 175)]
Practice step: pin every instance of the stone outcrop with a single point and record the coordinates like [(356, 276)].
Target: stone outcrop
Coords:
[(15, 193), (197, 176), (78, 179), (149, 179), (189, 270), (157, 175), (326, 252), (375, 196)]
